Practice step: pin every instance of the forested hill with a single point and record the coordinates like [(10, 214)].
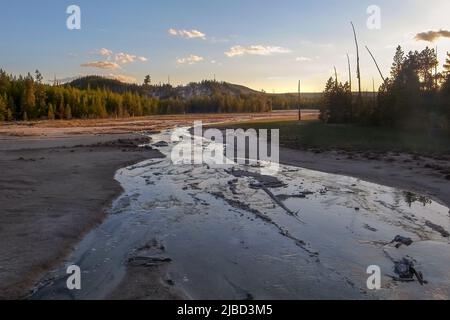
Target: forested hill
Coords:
[(29, 98), (164, 91)]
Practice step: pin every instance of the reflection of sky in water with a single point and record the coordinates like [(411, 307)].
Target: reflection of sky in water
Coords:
[(229, 240)]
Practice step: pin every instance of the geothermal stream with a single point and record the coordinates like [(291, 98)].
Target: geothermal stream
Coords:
[(232, 233)]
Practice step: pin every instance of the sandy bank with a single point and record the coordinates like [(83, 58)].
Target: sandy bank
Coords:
[(53, 191)]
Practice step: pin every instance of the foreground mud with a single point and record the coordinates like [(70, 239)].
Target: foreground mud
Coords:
[(232, 233), (52, 193)]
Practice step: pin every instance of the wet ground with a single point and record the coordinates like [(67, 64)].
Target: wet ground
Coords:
[(233, 233)]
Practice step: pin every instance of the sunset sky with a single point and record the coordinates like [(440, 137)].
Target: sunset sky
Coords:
[(262, 44)]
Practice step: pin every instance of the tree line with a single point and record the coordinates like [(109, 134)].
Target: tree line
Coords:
[(28, 98), (414, 96)]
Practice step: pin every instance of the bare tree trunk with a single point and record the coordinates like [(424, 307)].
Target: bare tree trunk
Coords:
[(376, 64), (358, 70), (349, 73), (335, 77), (299, 101), (436, 81)]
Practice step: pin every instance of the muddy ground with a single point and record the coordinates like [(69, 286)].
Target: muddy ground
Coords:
[(53, 192), (405, 171)]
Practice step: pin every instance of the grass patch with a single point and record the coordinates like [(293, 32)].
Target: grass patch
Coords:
[(317, 135)]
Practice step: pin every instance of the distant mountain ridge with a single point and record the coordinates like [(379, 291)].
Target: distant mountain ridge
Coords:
[(193, 89)]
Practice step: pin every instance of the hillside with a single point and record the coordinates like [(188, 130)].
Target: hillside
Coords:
[(204, 88)]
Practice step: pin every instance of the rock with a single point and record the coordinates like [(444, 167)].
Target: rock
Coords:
[(406, 271), (399, 240), (161, 144)]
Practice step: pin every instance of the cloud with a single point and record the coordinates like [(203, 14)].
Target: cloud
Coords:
[(255, 50), (124, 58), (101, 65), (303, 59), (120, 57), (105, 52), (192, 59), (173, 32), (187, 34), (431, 36)]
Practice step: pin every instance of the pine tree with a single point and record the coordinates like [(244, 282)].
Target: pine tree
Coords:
[(61, 108), (68, 112), (447, 64), (397, 65), (51, 112), (28, 99), (9, 115), (147, 80), (2, 108)]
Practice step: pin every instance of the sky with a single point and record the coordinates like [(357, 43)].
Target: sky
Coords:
[(266, 45)]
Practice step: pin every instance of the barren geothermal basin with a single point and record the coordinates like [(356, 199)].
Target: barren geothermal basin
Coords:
[(231, 233)]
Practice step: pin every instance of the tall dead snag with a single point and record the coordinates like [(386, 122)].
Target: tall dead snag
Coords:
[(350, 85), (358, 70), (376, 64), (349, 73), (436, 80), (336, 77), (299, 101)]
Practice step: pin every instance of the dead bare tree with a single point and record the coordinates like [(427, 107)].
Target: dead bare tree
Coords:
[(376, 64), (299, 100), (335, 77), (358, 70), (373, 87), (349, 73), (436, 82)]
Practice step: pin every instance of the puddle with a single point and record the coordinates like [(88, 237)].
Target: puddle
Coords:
[(230, 233)]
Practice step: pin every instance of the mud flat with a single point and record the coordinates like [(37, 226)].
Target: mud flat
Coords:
[(407, 172), (54, 190)]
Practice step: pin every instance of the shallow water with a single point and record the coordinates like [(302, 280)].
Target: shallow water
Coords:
[(311, 238)]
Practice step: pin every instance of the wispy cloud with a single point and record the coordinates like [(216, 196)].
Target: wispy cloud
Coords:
[(303, 59), (101, 65), (119, 57), (105, 52), (123, 58), (113, 60), (192, 59), (431, 36), (187, 34), (260, 50)]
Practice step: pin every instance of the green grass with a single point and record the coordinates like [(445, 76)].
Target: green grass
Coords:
[(317, 135)]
